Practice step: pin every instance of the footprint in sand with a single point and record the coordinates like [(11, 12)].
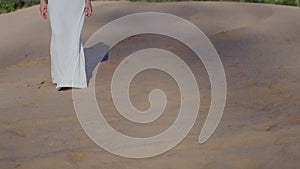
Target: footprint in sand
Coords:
[(21, 132)]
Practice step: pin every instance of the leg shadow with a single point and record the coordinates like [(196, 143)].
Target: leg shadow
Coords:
[(93, 56)]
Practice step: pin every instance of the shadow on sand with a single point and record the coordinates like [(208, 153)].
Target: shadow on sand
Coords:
[(93, 56)]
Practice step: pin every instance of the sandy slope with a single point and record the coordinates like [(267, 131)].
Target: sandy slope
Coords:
[(258, 45)]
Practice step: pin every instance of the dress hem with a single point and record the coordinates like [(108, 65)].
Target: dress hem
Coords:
[(73, 86)]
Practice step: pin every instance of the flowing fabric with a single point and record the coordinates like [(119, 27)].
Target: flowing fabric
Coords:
[(67, 55)]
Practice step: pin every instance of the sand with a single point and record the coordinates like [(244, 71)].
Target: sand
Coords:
[(260, 128)]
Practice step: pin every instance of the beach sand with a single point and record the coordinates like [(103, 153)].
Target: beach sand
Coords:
[(259, 46)]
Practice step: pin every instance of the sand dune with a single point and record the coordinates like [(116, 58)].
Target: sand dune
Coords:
[(260, 128)]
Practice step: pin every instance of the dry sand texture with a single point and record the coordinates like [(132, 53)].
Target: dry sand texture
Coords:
[(259, 46)]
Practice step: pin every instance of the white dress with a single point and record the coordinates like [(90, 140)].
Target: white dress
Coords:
[(67, 55)]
